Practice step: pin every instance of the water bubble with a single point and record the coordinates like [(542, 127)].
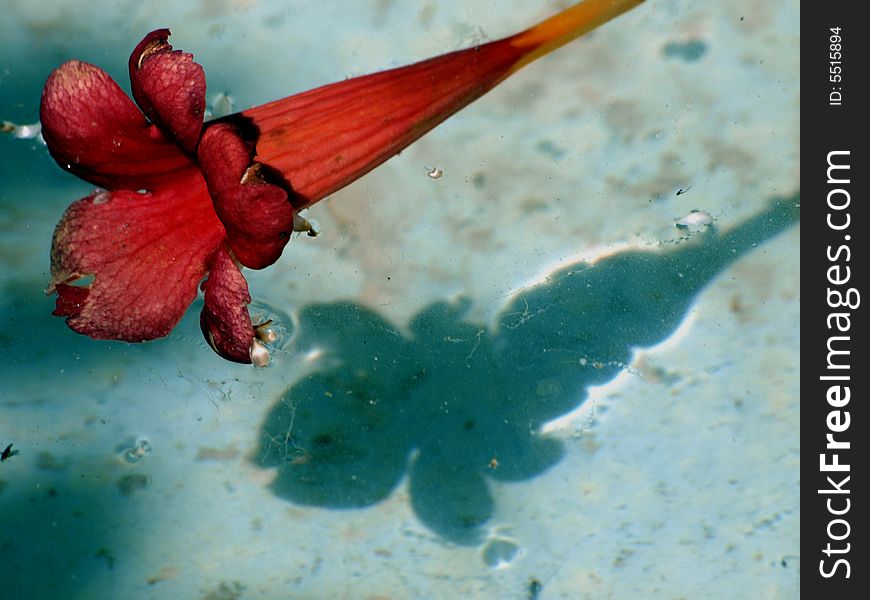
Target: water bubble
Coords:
[(434, 173), (27, 132), (140, 448), (499, 553), (22, 132), (221, 106), (696, 220)]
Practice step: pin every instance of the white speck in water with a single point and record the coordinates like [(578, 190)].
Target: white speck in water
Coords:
[(695, 221), (22, 132), (27, 132), (313, 355), (434, 173), (221, 106)]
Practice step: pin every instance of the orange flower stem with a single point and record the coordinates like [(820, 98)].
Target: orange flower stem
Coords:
[(323, 139)]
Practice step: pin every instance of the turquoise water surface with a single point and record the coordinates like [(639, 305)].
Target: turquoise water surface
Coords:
[(549, 351)]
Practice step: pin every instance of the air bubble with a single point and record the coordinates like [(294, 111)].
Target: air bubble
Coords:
[(22, 132), (140, 448), (221, 106), (696, 220), (500, 553)]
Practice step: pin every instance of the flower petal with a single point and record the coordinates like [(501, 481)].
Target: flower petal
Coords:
[(225, 321), (256, 214), (94, 130), (169, 87), (126, 265)]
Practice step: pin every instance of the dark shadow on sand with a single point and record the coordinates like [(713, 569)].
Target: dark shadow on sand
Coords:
[(443, 401)]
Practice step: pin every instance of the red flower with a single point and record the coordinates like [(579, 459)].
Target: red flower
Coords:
[(185, 200)]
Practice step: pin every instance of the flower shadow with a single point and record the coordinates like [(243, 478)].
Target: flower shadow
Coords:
[(453, 403)]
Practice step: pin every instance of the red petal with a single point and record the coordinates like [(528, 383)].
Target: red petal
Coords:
[(169, 87), (224, 320), (94, 130), (145, 254), (256, 214), (70, 299)]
